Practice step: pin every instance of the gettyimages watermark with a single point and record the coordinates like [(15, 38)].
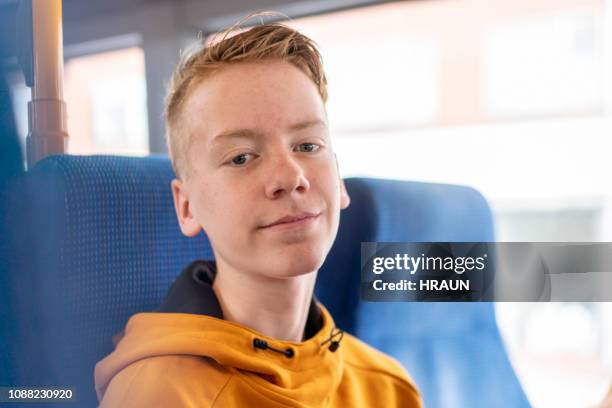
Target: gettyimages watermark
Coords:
[(486, 271)]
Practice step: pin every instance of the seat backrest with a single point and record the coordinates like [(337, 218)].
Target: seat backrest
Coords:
[(453, 350), (104, 244)]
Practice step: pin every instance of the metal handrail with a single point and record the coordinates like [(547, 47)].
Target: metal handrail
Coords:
[(43, 67)]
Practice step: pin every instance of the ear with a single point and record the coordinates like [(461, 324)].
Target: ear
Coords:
[(345, 200), (187, 222)]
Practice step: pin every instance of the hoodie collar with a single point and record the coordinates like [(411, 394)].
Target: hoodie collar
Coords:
[(192, 293), (188, 323)]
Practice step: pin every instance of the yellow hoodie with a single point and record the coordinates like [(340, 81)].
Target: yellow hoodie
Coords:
[(188, 356)]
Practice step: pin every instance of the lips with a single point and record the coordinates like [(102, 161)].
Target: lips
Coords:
[(291, 218)]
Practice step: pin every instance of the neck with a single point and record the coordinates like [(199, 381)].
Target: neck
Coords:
[(275, 307)]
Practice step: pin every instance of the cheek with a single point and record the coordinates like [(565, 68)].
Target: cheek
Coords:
[(207, 205), (222, 206), (327, 181)]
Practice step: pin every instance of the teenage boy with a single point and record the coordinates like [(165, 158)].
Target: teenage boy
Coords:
[(248, 138)]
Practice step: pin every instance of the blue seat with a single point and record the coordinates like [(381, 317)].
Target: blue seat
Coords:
[(104, 244), (453, 351), (11, 169)]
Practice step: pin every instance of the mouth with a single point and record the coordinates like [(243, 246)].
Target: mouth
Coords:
[(303, 219)]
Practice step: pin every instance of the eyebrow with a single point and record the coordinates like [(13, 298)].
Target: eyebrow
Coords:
[(253, 134)]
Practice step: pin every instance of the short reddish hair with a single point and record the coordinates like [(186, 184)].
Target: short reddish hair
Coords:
[(272, 41)]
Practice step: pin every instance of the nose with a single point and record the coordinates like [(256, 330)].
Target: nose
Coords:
[(285, 176)]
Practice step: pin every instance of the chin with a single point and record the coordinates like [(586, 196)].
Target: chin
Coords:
[(297, 263)]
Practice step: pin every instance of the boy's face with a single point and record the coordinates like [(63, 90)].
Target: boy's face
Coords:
[(260, 151)]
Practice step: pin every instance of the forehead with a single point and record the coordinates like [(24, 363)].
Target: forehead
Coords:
[(263, 96)]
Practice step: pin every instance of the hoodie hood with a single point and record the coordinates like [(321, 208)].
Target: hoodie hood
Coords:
[(190, 323)]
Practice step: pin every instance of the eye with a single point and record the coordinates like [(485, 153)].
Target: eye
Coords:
[(240, 159), (308, 147)]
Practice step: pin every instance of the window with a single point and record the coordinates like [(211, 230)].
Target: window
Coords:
[(105, 96)]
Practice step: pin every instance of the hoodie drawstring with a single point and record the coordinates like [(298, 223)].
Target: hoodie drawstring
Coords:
[(262, 344), (289, 353), (333, 346)]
